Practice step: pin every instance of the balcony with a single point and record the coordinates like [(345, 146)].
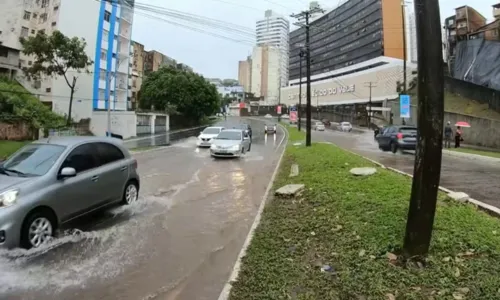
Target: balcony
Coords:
[(496, 12)]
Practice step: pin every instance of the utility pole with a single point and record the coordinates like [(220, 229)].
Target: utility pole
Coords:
[(369, 110), (306, 15), (403, 5), (301, 56), (427, 170)]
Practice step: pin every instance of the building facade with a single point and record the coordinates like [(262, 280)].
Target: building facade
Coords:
[(358, 43), (154, 60), (265, 76), (137, 71), (245, 73), (273, 31), (106, 28)]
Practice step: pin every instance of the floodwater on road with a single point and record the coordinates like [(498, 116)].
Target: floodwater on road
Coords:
[(479, 179), (180, 241)]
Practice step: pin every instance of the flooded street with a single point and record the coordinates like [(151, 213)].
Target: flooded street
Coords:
[(479, 179), (180, 241)]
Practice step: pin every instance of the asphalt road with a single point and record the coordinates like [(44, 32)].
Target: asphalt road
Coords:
[(479, 179), (179, 242)]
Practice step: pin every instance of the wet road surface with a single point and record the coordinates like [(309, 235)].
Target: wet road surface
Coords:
[(162, 139), (479, 179), (179, 242)]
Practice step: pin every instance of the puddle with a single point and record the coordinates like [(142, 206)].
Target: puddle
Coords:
[(186, 143)]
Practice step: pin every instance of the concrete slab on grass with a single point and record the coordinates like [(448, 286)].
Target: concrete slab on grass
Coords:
[(290, 190), (294, 170), (363, 171)]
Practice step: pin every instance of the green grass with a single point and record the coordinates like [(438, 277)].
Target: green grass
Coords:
[(351, 223), (477, 152), (9, 147)]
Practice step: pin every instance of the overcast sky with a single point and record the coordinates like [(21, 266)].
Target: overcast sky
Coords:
[(217, 57)]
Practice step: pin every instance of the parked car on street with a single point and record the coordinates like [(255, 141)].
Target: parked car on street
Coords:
[(319, 126), (270, 128), (231, 143), (285, 117), (268, 116), (345, 127), (398, 137), (206, 136), (49, 182)]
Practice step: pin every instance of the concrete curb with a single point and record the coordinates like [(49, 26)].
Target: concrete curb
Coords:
[(492, 210), (226, 291)]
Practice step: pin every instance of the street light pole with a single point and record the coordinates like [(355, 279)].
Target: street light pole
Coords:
[(301, 55), (403, 5)]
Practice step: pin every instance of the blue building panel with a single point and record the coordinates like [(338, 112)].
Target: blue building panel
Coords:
[(97, 58)]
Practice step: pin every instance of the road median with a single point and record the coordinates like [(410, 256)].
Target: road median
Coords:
[(340, 238)]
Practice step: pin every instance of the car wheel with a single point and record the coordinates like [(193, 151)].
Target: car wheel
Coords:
[(38, 228), (394, 147), (131, 193)]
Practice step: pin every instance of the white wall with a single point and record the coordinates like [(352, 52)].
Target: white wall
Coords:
[(256, 71), (71, 23), (123, 123), (11, 14)]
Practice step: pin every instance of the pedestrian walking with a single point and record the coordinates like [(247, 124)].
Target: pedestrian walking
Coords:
[(458, 137), (448, 133)]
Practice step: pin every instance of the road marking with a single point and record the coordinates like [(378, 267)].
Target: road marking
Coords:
[(224, 295)]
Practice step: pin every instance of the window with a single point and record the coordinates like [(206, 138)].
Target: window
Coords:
[(82, 158), (45, 3), (102, 74), (108, 153), (4, 52), (41, 31), (35, 16), (27, 15), (43, 18), (54, 23), (48, 90), (103, 54), (56, 8), (34, 159), (24, 32), (33, 31), (107, 16), (105, 36)]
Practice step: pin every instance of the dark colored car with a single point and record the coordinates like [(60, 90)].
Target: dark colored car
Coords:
[(246, 128), (270, 128), (399, 137)]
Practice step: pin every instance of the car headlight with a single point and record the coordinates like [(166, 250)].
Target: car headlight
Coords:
[(8, 198), (235, 147), (213, 146)]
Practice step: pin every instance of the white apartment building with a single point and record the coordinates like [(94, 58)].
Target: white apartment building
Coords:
[(411, 36), (266, 75), (273, 31), (105, 25)]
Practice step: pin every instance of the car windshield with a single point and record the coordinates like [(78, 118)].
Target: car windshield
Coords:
[(408, 130), (229, 135), (346, 123), (270, 125), (211, 130), (32, 160)]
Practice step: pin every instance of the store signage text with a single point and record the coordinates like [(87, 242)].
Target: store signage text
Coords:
[(326, 92)]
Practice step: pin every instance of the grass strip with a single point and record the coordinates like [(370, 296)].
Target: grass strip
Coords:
[(354, 225), (9, 147)]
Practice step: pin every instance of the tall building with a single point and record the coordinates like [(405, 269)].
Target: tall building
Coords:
[(265, 76), (273, 31), (137, 70), (411, 29), (106, 28), (153, 60), (245, 73), (358, 43)]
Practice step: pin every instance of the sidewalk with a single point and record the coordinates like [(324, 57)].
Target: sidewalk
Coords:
[(341, 238)]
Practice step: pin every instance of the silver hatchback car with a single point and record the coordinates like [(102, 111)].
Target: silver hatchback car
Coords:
[(50, 182)]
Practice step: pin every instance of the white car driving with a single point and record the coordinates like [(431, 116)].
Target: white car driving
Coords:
[(345, 126), (206, 136), (319, 126), (268, 116)]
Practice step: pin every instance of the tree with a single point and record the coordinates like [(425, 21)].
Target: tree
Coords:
[(54, 56), (427, 170), (181, 93)]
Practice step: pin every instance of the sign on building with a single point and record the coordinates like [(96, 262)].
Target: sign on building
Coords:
[(278, 109), (404, 106), (327, 92)]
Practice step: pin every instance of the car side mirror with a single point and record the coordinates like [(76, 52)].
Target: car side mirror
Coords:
[(67, 172)]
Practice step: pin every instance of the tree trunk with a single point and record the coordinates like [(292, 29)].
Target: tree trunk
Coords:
[(427, 168), (72, 88)]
